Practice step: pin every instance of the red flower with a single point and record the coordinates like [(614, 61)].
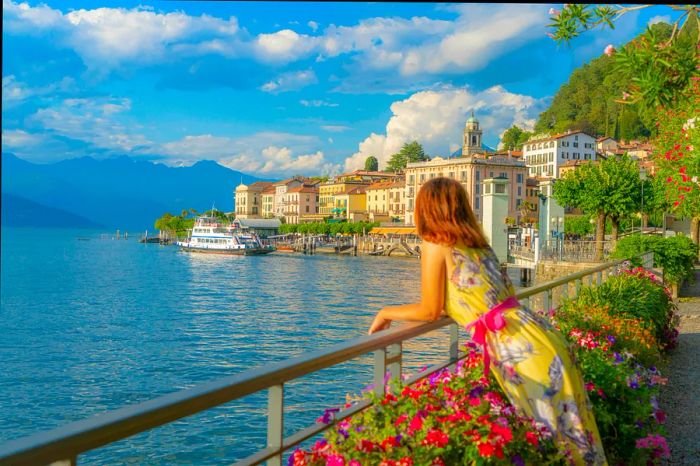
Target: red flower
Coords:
[(366, 446), (405, 461), (682, 169), (390, 441), (502, 431), (531, 438), (401, 419), (486, 450), (437, 462), (436, 438), (416, 423)]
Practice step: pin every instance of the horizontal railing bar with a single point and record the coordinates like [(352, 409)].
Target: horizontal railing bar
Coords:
[(87, 434), (315, 429), (77, 437), (568, 278)]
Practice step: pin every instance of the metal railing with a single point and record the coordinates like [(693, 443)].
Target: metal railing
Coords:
[(61, 446)]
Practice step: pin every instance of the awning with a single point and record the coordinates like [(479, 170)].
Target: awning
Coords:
[(393, 231)]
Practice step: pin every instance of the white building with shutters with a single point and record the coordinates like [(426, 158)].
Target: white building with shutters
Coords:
[(544, 155)]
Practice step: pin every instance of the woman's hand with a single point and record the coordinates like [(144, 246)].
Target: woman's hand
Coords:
[(380, 323)]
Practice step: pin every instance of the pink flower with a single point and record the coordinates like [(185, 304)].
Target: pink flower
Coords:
[(335, 460), (554, 11), (609, 50), (625, 96)]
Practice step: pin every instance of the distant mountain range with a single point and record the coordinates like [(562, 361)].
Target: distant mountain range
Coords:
[(20, 212), (118, 192)]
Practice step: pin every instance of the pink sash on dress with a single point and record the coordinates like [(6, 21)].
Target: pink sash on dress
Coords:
[(491, 321)]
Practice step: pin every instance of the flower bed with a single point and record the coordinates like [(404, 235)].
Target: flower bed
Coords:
[(618, 332)]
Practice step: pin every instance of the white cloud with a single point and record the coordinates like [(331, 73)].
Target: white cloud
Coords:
[(107, 37), (93, 121), (14, 91), (335, 128), (284, 46), (269, 153), (436, 119), (19, 139), (317, 103), (401, 48), (291, 81), (660, 19)]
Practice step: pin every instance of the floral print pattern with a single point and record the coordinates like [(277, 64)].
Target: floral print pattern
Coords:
[(530, 359)]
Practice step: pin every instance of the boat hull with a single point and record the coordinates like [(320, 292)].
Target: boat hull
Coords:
[(229, 252)]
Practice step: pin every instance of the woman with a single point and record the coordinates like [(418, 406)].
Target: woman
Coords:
[(529, 358)]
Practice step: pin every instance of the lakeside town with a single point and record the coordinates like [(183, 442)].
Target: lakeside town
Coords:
[(336, 120), (382, 202)]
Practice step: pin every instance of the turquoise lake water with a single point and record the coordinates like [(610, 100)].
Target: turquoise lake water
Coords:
[(89, 324)]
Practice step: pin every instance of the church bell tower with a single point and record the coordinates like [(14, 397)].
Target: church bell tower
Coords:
[(471, 143)]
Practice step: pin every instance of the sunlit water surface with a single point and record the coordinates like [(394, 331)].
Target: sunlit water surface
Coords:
[(90, 324)]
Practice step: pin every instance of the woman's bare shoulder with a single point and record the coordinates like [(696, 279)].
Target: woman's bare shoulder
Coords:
[(436, 249)]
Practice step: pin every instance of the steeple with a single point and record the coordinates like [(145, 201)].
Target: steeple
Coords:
[(471, 143)]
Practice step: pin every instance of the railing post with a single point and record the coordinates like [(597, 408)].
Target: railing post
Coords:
[(599, 277), (454, 342), (565, 291), (393, 360), (275, 422), (579, 282), (547, 300), (379, 371)]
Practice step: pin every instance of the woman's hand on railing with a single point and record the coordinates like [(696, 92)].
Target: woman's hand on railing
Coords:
[(379, 323)]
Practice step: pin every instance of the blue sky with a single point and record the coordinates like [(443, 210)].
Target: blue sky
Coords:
[(277, 88)]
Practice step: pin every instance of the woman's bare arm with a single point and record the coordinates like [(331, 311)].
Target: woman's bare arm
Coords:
[(433, 258)]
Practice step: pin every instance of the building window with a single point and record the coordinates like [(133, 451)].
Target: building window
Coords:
[(422, 177), (307, 209), (476, 203), (412, 179), (576, 144), (520, 191), (503, 175), (519, 177), (451, 175), (478, 175), (490, 174)]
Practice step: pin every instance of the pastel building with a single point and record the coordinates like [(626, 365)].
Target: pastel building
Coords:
[(299, 201), (544, 155), (249, 199), (386, 200), (351, 204), (470, 172)]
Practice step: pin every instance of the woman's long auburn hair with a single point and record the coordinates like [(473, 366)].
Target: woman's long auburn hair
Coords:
[(444, 216)]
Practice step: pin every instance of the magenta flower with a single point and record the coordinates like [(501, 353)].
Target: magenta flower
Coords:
[(625, 96), (609, 50)]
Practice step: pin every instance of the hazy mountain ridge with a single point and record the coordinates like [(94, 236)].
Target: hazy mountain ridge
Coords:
[(121, 192), (20, 212)]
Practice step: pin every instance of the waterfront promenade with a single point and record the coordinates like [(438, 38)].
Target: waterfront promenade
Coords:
[(681, 397)]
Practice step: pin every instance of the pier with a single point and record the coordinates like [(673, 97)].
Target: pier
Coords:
[(65, 444)]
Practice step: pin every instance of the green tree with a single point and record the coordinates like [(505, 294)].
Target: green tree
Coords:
[(655, 67), (514, 138), (371, 164), (610, 188), (409, 153)]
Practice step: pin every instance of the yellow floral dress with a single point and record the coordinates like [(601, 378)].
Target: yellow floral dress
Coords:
[(530, 359)]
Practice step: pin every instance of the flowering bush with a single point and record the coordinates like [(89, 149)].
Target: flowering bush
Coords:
[(451, 417), (460, 417)]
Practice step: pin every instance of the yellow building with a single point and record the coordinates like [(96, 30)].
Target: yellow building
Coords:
[(328, 190), (351, 204)]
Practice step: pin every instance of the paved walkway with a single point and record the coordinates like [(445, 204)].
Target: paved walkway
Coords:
[(681, 397)]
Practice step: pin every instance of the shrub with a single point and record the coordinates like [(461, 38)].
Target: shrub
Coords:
[(676, 255)]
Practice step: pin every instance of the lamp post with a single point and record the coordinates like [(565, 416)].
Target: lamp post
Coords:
[(557, 227)]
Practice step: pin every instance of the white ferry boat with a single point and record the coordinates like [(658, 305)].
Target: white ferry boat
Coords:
[(211, 235)]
